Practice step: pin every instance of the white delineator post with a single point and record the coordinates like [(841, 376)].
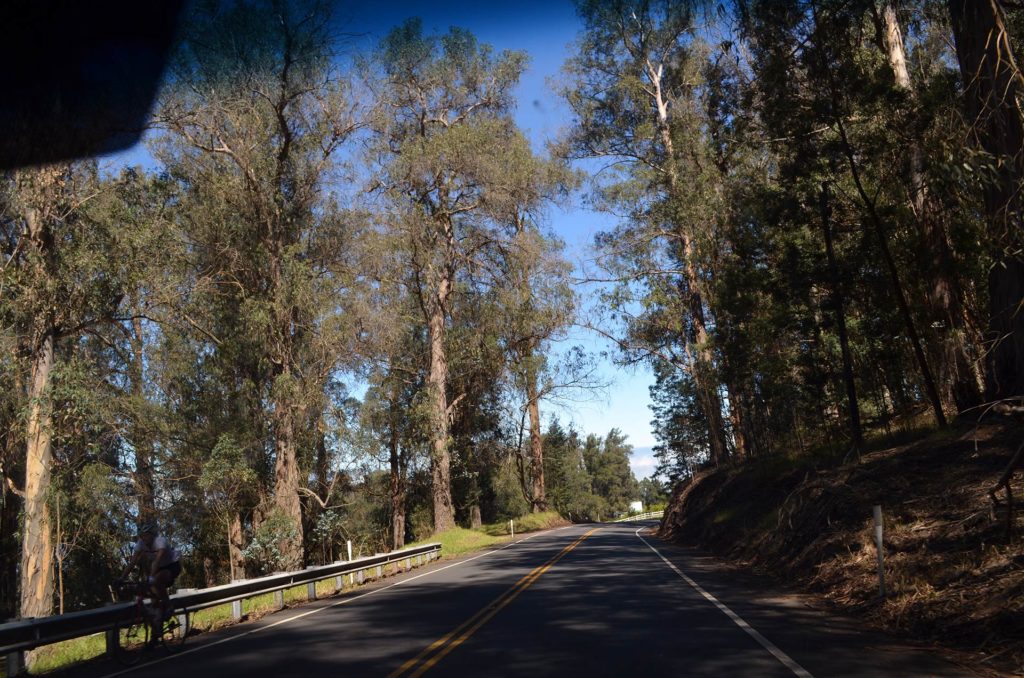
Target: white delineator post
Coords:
[(348, 547), (512, 529), (877, 511)]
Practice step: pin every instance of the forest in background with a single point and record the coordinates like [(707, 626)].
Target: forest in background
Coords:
[(818, 238)]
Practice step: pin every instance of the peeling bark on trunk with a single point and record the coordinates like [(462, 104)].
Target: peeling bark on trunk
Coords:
[(475, 519), (994, 89), (540, 502), (286, 484), (286, 463), (397, 486), (37, 537), (236, 541), (437, 382)]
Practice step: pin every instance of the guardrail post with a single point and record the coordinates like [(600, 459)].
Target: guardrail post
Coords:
[(339, 582), (111, 636), (360, 576), (380, 572), (236, 609), (408, 563), (419, 560), (279, 599), (311, 590), (15, 663)]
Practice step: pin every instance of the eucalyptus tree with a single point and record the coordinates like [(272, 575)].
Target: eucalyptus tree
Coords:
[(537, 306), (947, 294), (451, 171), (394, 407), (251, 127), (124, 354), (993, 87), (64, 273), (633, 91), (832, 87)]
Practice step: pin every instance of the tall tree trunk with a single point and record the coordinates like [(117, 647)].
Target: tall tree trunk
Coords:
[(739, 436), (742, 419), (701, 355), (994, 89), (856, 434), (37, 537), (397, 484), (540, 502), (704, 372), (437, 382), (957, 375), (285, 414), (236, 541), (286, 481)]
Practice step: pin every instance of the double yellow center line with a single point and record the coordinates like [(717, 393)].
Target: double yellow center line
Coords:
[(437, 650)]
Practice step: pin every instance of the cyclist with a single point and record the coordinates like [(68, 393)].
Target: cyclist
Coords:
[(164, 566)]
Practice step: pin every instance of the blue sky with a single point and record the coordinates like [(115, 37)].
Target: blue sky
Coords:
[(544, 30)]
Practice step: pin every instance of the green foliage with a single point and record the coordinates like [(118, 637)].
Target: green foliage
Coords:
[(588, 480), (722, 151), (213, 319), (225, 475), (263, 554)]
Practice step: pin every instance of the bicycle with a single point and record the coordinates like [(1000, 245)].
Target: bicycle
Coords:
[(133, 634)]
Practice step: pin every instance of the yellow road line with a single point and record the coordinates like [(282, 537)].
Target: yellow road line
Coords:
[(456, 637)]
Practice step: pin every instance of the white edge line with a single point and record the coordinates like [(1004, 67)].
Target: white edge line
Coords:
[(786, 660), (325, 607)]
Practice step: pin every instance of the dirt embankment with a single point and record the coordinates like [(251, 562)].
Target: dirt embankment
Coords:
[(951, 575)]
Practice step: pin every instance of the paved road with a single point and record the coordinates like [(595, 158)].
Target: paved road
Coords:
[(586, 600)]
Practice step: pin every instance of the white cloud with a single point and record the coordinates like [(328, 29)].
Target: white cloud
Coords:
[(642, 462)]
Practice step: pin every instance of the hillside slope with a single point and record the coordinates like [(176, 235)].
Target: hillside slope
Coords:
[(950, 573)]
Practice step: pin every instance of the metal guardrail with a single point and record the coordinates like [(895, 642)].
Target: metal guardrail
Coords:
[(650, 515), (26, 634)]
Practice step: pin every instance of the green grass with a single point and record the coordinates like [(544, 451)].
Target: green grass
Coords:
[(533, 522), (459, 541), (65, 653)]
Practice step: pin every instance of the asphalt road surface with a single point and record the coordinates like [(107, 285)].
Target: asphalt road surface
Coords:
[(588, 600)]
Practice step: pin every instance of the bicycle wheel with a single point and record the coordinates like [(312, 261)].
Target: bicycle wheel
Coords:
[(175, 630), (131, 642)]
